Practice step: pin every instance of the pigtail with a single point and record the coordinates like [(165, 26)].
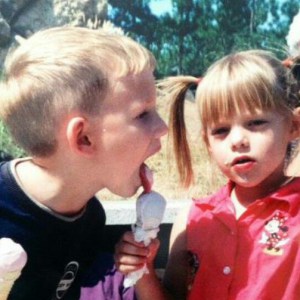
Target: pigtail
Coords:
[(174, 90), (293, 95), (293, 81)]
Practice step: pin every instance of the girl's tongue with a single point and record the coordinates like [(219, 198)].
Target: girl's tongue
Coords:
[(146, 178)]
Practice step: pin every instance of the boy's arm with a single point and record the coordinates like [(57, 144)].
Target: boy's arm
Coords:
[(131, 256)]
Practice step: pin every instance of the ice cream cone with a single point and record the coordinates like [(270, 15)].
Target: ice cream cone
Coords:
[(7, 283), (12, 260), (150, 207)]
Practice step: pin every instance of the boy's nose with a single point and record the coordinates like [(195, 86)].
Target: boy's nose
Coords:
[(238, 139), (161, 127)]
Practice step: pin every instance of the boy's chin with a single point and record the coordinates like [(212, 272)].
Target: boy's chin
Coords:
[(127, 192)]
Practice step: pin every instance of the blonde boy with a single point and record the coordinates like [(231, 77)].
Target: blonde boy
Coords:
[(81, 103)]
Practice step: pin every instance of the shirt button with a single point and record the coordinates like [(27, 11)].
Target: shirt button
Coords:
[(227, 270)]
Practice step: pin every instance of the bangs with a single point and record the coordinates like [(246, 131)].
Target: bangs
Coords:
[(235, 89)]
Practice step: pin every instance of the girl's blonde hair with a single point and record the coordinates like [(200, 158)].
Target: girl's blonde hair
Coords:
[(248, 80), (60, 70)]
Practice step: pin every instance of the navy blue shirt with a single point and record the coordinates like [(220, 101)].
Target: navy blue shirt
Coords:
[(59, 250)]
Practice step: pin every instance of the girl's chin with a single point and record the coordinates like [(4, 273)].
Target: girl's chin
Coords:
[(245, 183), (243, 180)]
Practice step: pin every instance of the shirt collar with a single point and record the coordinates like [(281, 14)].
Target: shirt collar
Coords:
[(289, 193)]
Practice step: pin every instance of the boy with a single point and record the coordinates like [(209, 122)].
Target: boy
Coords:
[(81, 103)]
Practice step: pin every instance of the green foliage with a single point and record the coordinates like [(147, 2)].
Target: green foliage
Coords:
[(7, 145), (198, 32)]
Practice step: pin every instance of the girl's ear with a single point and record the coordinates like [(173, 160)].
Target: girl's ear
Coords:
[(295, 126), (78, 136)]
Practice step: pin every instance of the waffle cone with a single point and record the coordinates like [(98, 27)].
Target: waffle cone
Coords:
[(7, 283)]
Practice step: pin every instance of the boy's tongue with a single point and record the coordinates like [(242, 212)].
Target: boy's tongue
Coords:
[(146, 178)]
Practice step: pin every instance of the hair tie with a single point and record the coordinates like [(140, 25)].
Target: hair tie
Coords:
[(198, 80), (288, 63), (293, 66)]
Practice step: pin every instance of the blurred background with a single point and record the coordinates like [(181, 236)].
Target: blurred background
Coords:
[(186, 36)]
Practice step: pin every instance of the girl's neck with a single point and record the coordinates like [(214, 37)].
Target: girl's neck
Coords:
[(242, 197)]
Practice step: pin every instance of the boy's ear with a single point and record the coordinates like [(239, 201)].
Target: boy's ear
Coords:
[(295, 126), (78, 137)]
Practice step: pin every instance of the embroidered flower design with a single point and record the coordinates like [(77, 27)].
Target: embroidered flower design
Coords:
[(275, 234)]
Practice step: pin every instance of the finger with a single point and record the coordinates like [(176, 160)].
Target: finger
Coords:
[(125, 269), (131, 249), (128, 237), (127, 263), (130, 259)]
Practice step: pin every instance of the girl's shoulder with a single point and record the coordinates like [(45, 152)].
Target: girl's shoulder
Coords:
[(216, 197)]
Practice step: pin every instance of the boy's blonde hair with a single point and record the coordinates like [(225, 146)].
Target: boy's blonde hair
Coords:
[(62, 70), (249, 80)]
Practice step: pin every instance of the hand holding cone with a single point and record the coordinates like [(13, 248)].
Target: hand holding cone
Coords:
[(150, 207)]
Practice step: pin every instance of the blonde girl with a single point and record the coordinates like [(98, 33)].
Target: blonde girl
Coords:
[(242, 242)]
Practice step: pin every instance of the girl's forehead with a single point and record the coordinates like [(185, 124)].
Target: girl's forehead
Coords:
[(227, 115), (244, 114)]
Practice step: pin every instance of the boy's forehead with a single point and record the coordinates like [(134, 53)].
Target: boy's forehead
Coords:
[(133, 78), (134, 88), (132, 83)]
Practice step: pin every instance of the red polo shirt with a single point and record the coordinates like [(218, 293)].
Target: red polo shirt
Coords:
[(254, 257)]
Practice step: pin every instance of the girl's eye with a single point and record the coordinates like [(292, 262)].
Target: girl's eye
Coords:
[(257, 122), (220, 131)]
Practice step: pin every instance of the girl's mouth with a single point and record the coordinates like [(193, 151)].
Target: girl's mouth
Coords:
[(243, 164), (242, 161)]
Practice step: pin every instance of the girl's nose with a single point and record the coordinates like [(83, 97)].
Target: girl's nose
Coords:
[(238, 139)]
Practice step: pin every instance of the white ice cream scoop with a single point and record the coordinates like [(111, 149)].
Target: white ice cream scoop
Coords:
[(12, 260), (150, 208)]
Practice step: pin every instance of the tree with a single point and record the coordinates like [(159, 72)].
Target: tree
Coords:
[(198, 32)]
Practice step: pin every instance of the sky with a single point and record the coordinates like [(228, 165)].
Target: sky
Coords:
[(159, 7)]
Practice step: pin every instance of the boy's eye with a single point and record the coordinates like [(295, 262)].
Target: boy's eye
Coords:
[(143, 115)]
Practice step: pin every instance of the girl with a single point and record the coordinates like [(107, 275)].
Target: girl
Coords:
[(243, 241)]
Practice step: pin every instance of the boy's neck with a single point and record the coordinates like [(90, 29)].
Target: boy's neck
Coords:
[(50, 189)]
